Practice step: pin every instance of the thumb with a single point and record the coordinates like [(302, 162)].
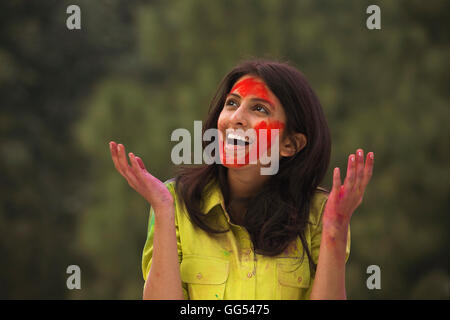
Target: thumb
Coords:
[(141, 164), (337, 188)]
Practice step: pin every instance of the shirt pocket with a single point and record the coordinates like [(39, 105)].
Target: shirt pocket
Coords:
[(293, 279), (205, 277)]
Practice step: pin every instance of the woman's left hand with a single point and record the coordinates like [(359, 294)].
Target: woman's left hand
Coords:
[(344, 199)]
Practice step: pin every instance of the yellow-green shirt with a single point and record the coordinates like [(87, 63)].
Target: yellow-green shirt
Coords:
[(224, 266)]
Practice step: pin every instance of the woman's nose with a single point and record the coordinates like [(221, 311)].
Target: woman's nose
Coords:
[(238, 118)]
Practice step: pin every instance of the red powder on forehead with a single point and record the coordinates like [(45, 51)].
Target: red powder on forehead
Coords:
[(251, 86)]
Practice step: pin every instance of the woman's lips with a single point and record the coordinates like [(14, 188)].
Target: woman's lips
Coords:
[(240, 137), (235, 149), (237, 155), (237, 143)]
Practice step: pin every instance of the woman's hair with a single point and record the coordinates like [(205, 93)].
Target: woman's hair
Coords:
[(279, 213)]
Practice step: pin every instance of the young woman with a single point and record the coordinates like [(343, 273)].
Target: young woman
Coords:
[(227, 231)]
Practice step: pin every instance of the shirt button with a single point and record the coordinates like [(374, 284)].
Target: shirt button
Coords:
[(199, 276), (299, 279), (249, 275)]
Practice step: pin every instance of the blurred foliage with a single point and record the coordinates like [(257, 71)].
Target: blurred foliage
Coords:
[(137, 70)]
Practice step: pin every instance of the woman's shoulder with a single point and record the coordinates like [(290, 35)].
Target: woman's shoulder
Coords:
[(210, 190), (172, 182), (317, 205)]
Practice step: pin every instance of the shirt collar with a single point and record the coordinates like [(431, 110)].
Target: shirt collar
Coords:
[(213, 197)]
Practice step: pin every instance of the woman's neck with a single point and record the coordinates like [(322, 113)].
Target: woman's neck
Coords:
[(243, 185)]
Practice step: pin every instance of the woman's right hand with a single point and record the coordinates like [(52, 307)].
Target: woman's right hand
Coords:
[(152, 189)]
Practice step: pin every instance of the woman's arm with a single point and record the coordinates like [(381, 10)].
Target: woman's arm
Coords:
[(164, 281), (329, 282)]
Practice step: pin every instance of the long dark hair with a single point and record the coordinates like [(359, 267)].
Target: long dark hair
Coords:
[(279, 213)]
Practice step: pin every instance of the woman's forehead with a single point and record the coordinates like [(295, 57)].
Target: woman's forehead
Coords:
[(249, 81), (249, 85)]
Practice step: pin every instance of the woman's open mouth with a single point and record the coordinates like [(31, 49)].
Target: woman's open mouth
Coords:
[(237, 141)]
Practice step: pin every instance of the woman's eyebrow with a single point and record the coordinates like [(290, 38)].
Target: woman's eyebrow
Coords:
[(254, 99), (265, 101), (234, 94)]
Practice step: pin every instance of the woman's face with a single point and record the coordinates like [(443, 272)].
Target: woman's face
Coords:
[(249, 105)]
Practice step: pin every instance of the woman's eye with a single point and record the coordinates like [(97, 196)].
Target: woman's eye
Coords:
[(231, 103), (260, 108)]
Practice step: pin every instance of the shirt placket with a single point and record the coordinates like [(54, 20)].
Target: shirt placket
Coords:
[(247, 259), (248, 272)]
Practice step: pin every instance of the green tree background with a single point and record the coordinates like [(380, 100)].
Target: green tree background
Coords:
[(137, 70)]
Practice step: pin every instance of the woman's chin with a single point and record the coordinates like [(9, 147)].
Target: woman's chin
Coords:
[(238, 163), (234, 165)]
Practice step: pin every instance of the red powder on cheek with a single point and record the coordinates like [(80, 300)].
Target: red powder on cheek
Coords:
[(269, 127), (250, 86)]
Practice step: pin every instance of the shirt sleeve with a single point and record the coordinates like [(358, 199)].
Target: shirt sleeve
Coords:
[(148, 247), (316, 231)]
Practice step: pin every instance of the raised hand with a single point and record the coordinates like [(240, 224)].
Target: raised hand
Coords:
[(152, 189), (344, 199)]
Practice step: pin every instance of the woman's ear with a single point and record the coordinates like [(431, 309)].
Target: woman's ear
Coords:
[(293, 144)]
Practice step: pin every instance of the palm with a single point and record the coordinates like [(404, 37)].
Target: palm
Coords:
[(151, 188), (344, 199)]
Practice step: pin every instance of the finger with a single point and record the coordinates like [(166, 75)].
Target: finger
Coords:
[(336, 190), (114, 154), (115, 157), (350, 178), (126, 169), (359, 169), (135, 166), (123, 162), (368, 169)]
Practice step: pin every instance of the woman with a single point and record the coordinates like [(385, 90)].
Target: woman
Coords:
[(227, 231)]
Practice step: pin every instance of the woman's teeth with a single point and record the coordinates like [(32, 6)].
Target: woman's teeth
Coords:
[(237, 140)]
